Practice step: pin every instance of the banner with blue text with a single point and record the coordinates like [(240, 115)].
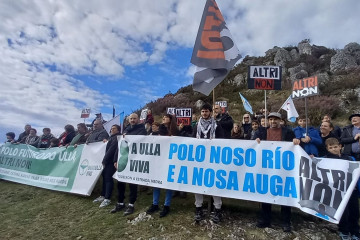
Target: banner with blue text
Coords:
[(272, 172), (74, 170)]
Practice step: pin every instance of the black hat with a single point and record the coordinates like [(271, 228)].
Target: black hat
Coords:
[(354, 115)]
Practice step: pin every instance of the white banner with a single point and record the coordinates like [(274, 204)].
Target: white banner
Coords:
[(74, 170), (272, 172)]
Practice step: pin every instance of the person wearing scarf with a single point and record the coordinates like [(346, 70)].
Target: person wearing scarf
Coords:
[(207, 128)]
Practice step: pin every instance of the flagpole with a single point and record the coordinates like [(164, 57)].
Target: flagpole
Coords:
[(265, 111), (214, 96), (306, 116)]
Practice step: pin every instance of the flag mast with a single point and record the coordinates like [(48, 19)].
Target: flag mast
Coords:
[(215, 53)]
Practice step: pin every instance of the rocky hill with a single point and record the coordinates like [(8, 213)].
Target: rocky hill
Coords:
[(338, 72)]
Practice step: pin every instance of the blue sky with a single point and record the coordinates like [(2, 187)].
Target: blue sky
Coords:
[(58, 57)]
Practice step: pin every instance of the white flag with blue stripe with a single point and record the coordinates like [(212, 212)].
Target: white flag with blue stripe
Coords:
[(289, 107), (246, 104)]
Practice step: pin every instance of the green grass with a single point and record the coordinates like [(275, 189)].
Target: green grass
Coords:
[(32, 213)]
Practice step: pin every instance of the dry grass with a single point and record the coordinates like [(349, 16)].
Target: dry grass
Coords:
[(32, 213)]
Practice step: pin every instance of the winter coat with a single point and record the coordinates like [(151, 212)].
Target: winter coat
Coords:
[(138, 129), (44, 141), (68, 137), (97, 136), (149, 119), (286, 134), (226, 122), (32, 140), (22, 137), (312, 146), (219, 132), (110, 156), (347, 139)]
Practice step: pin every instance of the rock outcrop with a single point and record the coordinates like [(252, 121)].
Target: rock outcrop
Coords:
[(282, 57), (305, 47), (353, 49), (342, 61)]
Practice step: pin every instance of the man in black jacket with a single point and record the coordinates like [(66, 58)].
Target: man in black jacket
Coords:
[(224, 120), (350, 137), (24, 134), (134, 128), (98, 134), (109, 162), (275, 133)]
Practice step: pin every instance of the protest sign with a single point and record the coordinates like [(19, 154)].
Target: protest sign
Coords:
[(143, 115), (223, 105), (85, 113), (264, 77), (170, 110), (74, 170), (183, 115), (272, 172), (305, 87)]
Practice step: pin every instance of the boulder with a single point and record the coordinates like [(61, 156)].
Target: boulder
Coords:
[(298, 72), (239, 79), (323, 78), (248, 60), (318, 51), (342, 61), (353, 49), (271, 52), (304, 48), (294, 54), (296, 69), (282, 57), (301, 74), (199, 103)]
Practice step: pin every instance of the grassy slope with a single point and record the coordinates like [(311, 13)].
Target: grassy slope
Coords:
[(32, 213)]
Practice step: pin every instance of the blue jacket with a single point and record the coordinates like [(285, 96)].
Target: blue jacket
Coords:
[(312, 146)]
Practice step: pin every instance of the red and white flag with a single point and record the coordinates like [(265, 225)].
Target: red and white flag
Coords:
[(215, 52)]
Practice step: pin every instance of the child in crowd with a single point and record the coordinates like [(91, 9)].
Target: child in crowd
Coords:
[(309, 138), (349, 222), (54, 142)]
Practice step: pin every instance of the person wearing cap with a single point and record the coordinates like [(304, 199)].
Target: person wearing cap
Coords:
[(274, 132), (350, 137), (98, 117)]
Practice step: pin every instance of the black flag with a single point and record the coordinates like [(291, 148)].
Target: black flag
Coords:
[(215, 53)]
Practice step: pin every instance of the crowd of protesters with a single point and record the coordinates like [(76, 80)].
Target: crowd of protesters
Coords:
[(326, 140)]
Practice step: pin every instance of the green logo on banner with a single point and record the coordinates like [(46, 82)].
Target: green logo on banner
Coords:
[(123, 156), (83, 167)]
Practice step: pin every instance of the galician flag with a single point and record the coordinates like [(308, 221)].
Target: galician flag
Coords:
[(215, 52), (246, 104), (289, 107)]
